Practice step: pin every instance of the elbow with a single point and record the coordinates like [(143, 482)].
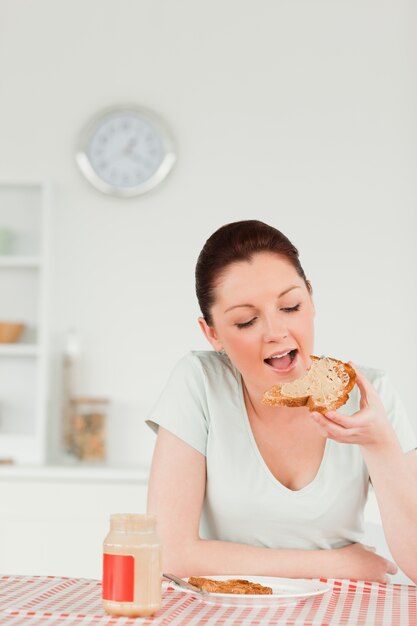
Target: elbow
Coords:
[(411, 572), (180, 558), (408, 566), (404, 553), (173, 562)]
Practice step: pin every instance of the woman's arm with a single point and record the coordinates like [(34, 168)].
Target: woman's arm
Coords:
[(393, 473), (175, 495), (394, 479)]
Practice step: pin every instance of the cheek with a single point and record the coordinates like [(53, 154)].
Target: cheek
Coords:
[(241, 342), (308, 320), (306, 326), (241, 345)]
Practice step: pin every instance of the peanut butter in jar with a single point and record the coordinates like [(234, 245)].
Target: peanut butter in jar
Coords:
[(132, 566)]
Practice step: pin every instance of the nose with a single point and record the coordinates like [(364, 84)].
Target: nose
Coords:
[(275, 330)]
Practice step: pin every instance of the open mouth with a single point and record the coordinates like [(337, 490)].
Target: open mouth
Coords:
[(282, 362)]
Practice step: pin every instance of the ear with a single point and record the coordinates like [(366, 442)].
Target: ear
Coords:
[(210, 334), (310, 291)]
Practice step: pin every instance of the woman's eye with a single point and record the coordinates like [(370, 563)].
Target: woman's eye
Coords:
[(246, 324), (291, 309)]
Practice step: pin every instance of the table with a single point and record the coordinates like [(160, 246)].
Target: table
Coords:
[(53, 601)]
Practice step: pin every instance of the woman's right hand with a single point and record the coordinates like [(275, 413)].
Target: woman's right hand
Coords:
[(361, 562)]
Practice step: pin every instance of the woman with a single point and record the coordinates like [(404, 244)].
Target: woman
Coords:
[(239, 487)]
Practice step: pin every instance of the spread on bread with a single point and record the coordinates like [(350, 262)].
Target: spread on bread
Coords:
[(229, 586), (324, 387)]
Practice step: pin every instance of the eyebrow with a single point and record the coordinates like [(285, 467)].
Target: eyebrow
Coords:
[(237, 306)]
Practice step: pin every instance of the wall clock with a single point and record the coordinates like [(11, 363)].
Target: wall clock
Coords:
[(125, 151)]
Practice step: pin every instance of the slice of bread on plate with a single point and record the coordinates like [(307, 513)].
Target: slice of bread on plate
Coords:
[(324, 387), (234, 585)]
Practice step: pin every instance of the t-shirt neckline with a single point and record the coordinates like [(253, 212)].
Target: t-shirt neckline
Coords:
[(294, 493)]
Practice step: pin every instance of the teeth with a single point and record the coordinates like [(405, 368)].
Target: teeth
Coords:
[(280, 356)]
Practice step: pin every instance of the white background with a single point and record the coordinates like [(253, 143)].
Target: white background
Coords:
[(298, 113)]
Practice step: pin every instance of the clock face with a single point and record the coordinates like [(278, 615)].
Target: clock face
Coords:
[(125, 152)]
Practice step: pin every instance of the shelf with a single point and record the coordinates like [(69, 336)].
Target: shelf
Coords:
[(10, 261), (24, 282), (18, 349)]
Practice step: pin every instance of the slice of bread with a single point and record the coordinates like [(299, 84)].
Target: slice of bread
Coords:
[(324, 387), (229, 586)]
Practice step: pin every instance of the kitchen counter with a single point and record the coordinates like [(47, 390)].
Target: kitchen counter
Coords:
[(74, 473)]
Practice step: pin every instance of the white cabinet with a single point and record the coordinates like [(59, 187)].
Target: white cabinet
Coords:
[(54, 520), (23, 288)]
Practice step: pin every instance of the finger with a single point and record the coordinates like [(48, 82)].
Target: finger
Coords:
[(357, 420), (334, 431), (322, 423), (342, 420), (362, 387), (365, 386), (392, 568), (321, 430), (345, 431)]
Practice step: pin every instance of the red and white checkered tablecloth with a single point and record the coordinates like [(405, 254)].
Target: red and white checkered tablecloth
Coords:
[(53, 601)]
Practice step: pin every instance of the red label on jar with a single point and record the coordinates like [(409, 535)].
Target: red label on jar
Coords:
[(118, 577)]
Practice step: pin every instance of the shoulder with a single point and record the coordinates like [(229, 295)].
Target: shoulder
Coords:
[(375, 375), (207, 364), (394, 406), (386, 390), (381, 383), (207, 374), (380, 379)]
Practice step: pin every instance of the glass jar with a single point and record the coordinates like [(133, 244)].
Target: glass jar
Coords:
[(132, 566), (86, 435)]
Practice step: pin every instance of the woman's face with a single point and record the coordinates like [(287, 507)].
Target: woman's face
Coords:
[(263, 318)]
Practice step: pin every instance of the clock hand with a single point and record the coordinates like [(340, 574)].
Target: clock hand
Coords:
[(132, 143)]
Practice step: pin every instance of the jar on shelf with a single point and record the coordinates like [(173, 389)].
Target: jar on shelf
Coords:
[(86, 435)]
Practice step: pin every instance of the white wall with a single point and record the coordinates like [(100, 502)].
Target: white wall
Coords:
[(302, 114)]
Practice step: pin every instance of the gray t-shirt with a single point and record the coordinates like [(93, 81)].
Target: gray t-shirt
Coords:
[(203, 405)]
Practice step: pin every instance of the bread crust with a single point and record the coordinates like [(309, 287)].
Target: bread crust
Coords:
[(274, 397), (236, 585)]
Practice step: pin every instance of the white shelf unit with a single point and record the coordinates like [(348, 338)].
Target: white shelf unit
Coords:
[(21, 349), (19, 261), (24, 212)]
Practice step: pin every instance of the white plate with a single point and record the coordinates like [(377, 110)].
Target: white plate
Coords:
[(284, 591)]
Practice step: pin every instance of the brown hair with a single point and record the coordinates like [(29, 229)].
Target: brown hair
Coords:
[(234, 242)]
